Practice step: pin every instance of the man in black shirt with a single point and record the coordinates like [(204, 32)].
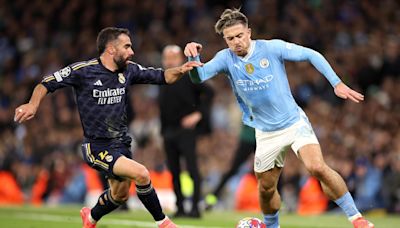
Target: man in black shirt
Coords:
[(101, 88), (184, 109)]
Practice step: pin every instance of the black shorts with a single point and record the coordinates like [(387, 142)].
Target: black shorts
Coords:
[(102, 157)]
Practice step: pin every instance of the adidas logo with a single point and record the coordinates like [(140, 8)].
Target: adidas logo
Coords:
[(98, 83)]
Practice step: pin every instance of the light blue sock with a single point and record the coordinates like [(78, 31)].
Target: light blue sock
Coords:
[(348, 206), (272, 220)]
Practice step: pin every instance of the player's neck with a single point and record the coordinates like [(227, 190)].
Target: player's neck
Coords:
[(249, 49), (108, 63)]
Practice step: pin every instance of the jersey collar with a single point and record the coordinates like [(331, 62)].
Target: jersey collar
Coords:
[(250, 53)]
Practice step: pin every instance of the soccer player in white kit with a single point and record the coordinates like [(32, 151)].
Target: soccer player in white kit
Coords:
[(258, 78)]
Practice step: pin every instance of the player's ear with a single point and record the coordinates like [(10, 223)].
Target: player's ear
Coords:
[(249, 30), (110, 49)]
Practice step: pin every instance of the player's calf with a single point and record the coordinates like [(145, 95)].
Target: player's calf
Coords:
[(105, 205)]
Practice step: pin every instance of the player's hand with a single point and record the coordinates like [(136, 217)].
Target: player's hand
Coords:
[(343, 91), (190, 121), (192, 49), (24, 112), (188, 66)]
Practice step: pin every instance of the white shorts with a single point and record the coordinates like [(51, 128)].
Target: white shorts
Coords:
[(272, 146)]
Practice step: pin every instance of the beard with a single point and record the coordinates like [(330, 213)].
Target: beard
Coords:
[(121, 62)]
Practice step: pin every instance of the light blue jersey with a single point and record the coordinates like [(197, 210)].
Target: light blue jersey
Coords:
[(260, 83)]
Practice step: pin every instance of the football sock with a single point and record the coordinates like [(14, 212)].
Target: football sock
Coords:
[(104, 205), (347, 204), (91, 219), (272, 220), (149, 198), (161, 221)]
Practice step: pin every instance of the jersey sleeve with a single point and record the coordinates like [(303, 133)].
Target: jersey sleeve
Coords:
[(294, 52), (145, 75), (65, 77), (208, 70)]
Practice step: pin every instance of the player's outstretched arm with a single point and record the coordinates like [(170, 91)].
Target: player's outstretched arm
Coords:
[(211, 68), (27, 111), (192, 51), (174, 74), (343, 91), (295, 52)]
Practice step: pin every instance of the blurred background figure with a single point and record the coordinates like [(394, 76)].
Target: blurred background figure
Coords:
[(184, 113), (246, 147)]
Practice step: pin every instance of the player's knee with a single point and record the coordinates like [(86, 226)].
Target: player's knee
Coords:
[(142, 176), (266, 188), (316, 169)]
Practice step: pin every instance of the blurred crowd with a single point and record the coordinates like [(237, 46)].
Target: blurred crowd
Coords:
[(360, 39)]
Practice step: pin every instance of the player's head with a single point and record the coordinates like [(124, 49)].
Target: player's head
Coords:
[(172, 56), (233, 25), (116, 43)]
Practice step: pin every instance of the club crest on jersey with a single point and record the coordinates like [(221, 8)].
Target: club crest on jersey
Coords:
[(264, 63), (121, 78), (249, 68)]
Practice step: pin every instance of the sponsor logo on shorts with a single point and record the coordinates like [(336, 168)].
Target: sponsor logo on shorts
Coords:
[(257, 162), (109, 158)]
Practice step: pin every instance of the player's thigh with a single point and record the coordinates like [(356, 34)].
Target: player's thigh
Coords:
[(128, 168), (304, 136), (311, 156), (271, 149), (103, 157), (119, 189)]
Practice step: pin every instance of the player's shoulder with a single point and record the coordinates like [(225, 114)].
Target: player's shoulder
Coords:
[(271, 43), (273, 46), (84, 64), (224, 53), (136, 66)]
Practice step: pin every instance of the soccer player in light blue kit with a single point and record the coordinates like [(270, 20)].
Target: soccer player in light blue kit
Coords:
[(258, 78)]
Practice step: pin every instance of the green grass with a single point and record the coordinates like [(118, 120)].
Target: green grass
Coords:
[(68, 216)]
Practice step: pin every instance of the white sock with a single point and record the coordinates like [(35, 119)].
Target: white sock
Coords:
[(91, 219), (161, 221), (354, 217)]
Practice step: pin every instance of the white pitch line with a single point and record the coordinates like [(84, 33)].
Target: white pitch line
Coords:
[(73, 219)]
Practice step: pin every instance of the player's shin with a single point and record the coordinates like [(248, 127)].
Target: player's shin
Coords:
[(149, 198)]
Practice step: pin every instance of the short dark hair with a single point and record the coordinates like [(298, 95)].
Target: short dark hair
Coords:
[(229, 18), (107, 35)]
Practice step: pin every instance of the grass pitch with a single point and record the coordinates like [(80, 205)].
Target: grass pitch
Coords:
[(68, 216)]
